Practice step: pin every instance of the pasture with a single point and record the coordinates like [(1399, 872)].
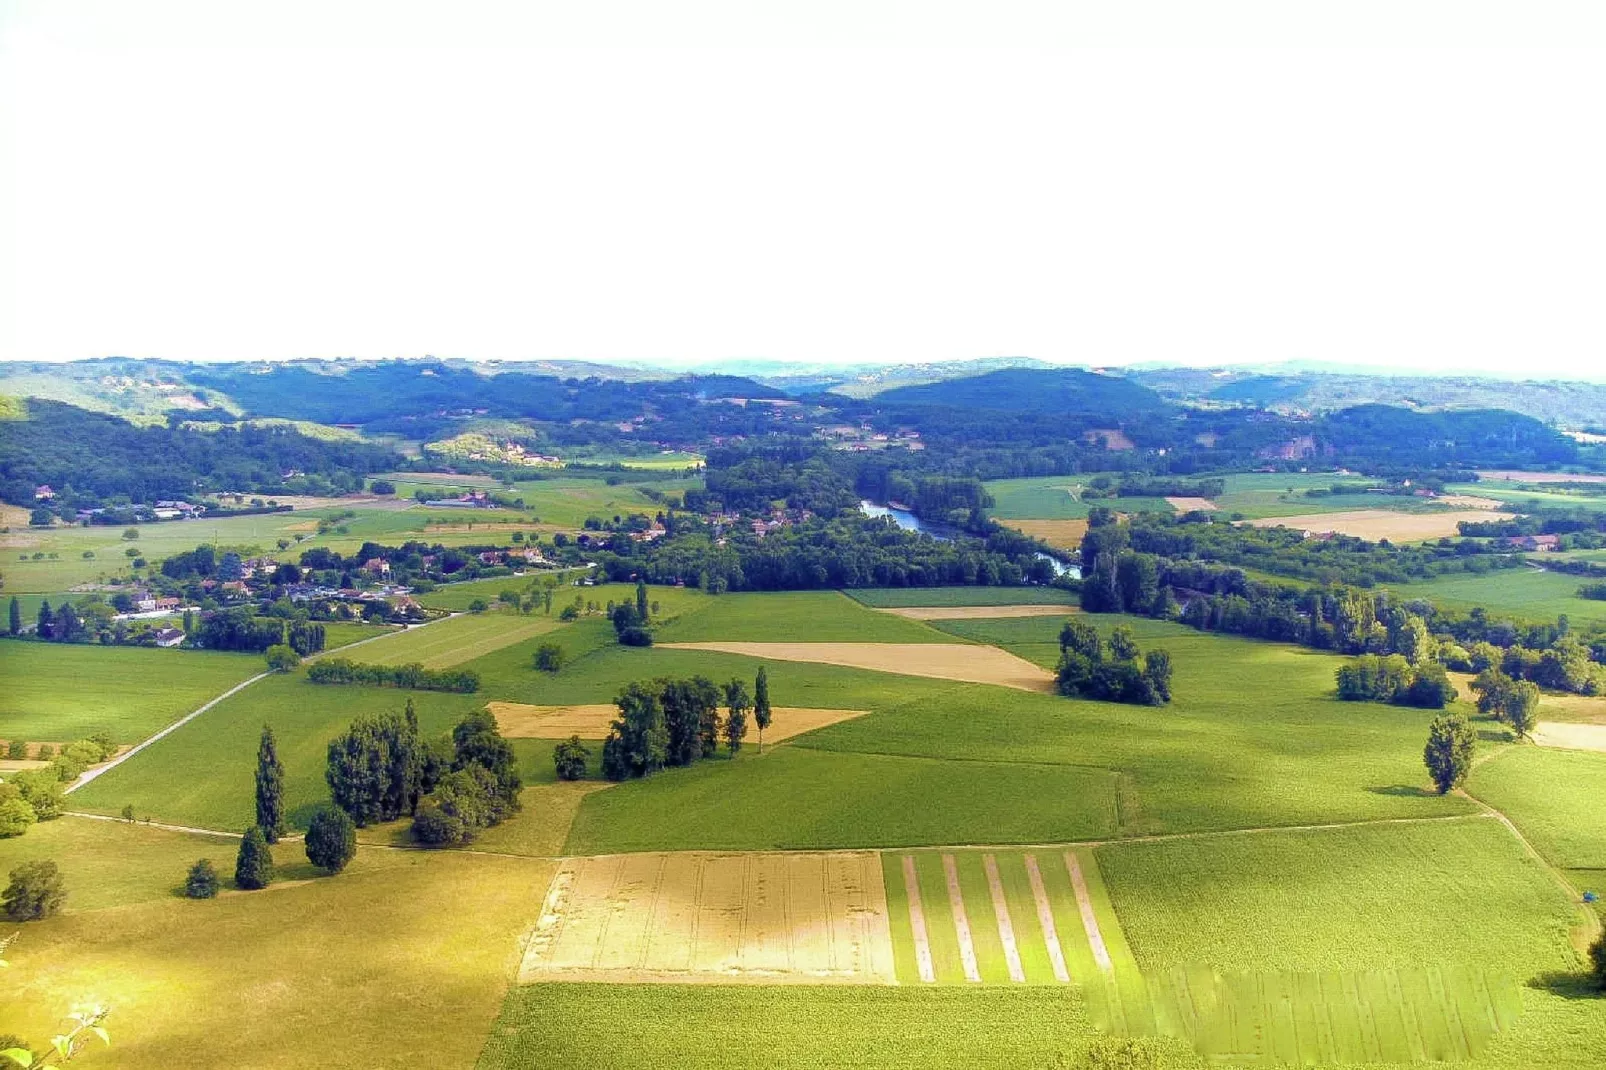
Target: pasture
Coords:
[(823, 616), (566, 503), (56, 693), (1557, 798), (1058, 498)]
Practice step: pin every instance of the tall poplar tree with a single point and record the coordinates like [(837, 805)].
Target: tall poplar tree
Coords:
[(641, 600), (16, 616), (270, 787), (761, 704)]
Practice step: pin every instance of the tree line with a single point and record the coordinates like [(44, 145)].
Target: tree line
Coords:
[(412, 676)]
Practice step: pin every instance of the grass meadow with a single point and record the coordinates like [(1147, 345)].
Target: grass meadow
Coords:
[(1557, 798), (1057, 498), (795, 616), (451, 642), (904, 597), (403, 953), (1521, 593), (56, 693)]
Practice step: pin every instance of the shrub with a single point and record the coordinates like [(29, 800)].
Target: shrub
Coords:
[(549, 657), (463, 802), (478, 606), (568, 613), (570, 758), (331, 839), (253, 867), (282, 658), (35, 892), (46, 752), (17, 750), (202, 881), (15, 814), (433, 826)]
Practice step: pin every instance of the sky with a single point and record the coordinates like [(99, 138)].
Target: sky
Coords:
[(1411, 184)]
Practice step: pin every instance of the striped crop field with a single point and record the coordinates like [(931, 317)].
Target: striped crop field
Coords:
[(1044, 917)]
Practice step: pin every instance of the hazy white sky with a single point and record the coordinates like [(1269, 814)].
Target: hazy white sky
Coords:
[(1416, 183)]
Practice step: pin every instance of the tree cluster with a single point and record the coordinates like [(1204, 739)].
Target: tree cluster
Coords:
[(673, 722), (412, 677), (1117, 673), (1392, 678), (1516, 702), (480, 790)]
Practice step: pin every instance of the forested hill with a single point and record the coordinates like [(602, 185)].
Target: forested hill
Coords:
[(1388, 435), (371, 394), (1066, 391), (105, 457)]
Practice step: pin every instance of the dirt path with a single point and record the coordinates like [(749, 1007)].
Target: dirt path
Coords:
[(956, 902), (917, 921), (965, 662), (1006, 927), (978, 612), (1045, 920), (1583, 935), (1090, 921)]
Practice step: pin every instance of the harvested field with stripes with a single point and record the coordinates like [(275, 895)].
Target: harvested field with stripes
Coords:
[(802, 918), (592, 720)]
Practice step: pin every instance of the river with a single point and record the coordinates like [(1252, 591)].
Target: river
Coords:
[(909, 522)]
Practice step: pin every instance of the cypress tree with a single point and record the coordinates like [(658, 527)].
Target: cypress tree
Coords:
[(270, 787), (641, 600), (46, 619), (16, 616), (761, 704), (253, 867)]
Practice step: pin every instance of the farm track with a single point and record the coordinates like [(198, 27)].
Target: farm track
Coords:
[(91, 774)]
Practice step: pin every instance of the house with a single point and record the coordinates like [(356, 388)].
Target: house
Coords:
[(233, 587), (376, 566), (144, 601), (168, 636), (167, 604), (1536, 542), (43, 493), (490, 557)]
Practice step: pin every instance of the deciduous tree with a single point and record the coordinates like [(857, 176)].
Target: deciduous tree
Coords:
[(35, 891), (737, 704), (569, 759), (1449, 750)]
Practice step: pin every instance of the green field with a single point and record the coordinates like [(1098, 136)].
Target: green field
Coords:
[(568, 503), (446, 643), (57, 693), (1057, 498), (1524, 593), (1228, 947), (899, 597), (1557, 798), (1268, 494)]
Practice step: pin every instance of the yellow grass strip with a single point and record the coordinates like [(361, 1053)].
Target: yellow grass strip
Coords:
[(1570, 736), (1045, 918), (971, 663), (956, 901), (592, 720), (978, 612), (1090, 921), (1375, 524), (917, 921), (1006, 928)]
